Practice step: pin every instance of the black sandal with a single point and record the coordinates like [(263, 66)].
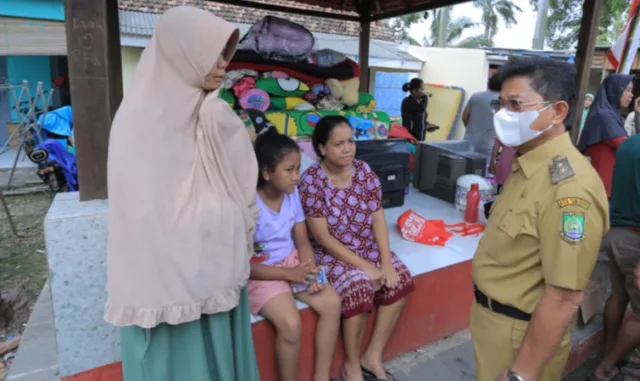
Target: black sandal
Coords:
[(370, 376), (618, 377)]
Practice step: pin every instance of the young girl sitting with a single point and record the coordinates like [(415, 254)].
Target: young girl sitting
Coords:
[(283, 263)]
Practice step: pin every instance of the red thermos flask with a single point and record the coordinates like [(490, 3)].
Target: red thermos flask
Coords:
[(473, 202)]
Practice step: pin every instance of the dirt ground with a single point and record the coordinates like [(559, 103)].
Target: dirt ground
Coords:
[(23, 261)]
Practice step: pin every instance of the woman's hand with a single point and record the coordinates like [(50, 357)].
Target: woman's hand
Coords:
[(492, 167), (390, 278), (375, 275), (304, 273)]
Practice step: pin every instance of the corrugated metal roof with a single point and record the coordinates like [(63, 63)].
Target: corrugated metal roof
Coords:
[(142, 24)]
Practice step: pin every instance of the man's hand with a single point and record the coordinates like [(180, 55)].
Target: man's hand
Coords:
[(503, 376), (432, 127)]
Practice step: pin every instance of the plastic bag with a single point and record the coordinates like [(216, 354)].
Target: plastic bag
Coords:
[(414, 227)]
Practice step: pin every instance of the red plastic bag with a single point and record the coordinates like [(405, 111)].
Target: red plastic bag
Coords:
[(416, 228)]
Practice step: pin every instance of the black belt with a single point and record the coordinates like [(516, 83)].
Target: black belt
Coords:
[(498, 307)]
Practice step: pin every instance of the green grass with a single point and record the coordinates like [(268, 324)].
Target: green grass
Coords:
[(23, 261)]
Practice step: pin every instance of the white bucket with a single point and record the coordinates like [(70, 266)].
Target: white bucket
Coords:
[(463, 185)]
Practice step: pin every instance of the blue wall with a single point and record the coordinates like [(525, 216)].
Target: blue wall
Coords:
[(30, 68), (388, 91), (33, 9)]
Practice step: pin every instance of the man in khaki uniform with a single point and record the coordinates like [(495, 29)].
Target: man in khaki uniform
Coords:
[(543, 235)]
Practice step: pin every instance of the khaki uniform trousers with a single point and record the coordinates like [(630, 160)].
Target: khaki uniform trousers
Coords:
[(496, 340)]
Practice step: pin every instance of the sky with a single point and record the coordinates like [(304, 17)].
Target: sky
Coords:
[(518, 36)]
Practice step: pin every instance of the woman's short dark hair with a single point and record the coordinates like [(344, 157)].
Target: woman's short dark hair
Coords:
[(270, 148), (323, 130), (414, 84)]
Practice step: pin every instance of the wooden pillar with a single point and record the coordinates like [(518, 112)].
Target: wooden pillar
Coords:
[(95, 74), (363, 54), (584, 58)]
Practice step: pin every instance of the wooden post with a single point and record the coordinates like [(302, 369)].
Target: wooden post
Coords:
[(584, 58), (363, 54), (95, 74)]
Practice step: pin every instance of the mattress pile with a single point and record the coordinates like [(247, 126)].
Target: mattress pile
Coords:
[(294, 94)]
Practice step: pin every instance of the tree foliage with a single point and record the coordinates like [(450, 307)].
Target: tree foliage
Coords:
[(455, 29), (492, 12), (563, 24), (401, 25)]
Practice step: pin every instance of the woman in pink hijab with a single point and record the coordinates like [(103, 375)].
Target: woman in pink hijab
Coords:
[(182, 184)]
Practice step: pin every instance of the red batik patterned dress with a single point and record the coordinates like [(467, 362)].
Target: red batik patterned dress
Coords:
[(349, 216)]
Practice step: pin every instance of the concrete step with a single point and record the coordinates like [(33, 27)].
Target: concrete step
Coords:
[(452, 357)]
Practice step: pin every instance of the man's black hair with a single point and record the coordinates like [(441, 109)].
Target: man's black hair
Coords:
[(494, 83), (553, 80)]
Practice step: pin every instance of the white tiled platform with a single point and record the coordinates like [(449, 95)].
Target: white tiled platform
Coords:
[(421, 258)]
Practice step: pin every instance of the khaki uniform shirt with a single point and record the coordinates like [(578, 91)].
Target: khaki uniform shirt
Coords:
[(545, 227)]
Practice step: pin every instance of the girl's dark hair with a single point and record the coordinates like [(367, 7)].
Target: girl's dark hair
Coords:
[(270, 148), (415, 83), (323, 130)]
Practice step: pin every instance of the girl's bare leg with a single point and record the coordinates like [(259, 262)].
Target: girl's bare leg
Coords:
[(326, 304), (282, 312)]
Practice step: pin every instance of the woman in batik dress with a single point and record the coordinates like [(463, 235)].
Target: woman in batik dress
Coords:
[(342, 199)]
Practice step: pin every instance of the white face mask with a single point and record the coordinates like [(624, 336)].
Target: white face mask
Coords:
[(513, 129)]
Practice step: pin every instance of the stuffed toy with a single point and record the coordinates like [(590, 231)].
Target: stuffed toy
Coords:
[(344, 91)]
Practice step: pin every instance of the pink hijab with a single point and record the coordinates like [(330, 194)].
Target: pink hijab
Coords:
[(182, 182)]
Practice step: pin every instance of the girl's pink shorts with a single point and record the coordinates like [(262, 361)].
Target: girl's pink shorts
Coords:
[(261, 291)]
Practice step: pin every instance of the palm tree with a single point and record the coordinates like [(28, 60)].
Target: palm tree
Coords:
[(452, 36), (493, 11)]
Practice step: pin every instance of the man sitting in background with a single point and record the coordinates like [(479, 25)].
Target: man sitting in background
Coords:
[(622, 245)]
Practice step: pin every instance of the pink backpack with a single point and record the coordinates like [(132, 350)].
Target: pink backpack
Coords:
[(279, 39)]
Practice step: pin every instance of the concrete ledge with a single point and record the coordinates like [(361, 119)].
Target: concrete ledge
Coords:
[(76, 238), (37, 357)]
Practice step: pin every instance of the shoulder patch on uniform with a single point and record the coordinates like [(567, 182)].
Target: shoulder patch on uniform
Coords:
[(573, 227), (570, 201), (560, 169)]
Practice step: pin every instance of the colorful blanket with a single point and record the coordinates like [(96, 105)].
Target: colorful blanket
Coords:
[(374, 125)]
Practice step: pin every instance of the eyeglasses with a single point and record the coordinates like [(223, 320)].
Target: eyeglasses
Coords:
[(513, 105)]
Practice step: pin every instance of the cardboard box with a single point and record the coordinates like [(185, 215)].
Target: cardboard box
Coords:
[(589, 307), (15, 140)]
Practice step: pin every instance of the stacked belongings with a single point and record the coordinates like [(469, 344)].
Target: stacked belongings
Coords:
[(276, 71)]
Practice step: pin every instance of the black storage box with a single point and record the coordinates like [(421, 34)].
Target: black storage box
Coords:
[(389, 159)]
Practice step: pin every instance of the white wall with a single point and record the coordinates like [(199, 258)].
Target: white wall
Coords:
[(465, 68)]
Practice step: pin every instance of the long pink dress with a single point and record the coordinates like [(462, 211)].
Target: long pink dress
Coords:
[(349, 216)]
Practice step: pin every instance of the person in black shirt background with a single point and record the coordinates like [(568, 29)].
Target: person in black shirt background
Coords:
[(414, 109)]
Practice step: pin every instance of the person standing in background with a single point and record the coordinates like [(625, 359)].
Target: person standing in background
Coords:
[(622, 246), (588, 101), (414, 109), (500, 163), (631, 123), (604, 130), (478, 119)]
